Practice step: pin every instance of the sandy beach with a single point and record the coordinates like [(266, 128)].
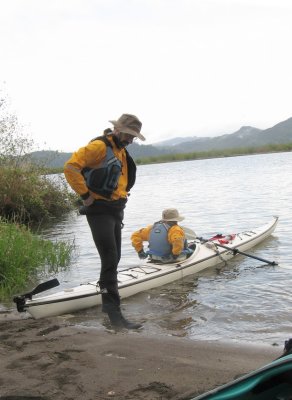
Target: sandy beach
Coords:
[(52, 358)]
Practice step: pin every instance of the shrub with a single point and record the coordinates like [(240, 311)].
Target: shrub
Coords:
[(27, 194)]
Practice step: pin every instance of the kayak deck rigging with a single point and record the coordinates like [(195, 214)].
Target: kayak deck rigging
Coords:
[(146, 270)]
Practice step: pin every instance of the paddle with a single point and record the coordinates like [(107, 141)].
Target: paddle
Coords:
[(42, 287), (236, 251), (190, 234), (20, 300)]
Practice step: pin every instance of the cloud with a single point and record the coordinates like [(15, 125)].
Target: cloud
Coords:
[(184, 67)]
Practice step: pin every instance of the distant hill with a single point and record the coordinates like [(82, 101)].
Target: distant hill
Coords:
[(49, 158), (55, 159), (246, 136), (175, 141), (139, 150)]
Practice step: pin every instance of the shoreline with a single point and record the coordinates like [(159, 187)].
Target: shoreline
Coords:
[(46, 358)]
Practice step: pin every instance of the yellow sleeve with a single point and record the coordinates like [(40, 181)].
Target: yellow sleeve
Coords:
[(139, 237), (176, 238), (88, 156)]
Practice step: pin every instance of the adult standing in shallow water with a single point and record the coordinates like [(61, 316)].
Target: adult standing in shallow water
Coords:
[(103, 173)]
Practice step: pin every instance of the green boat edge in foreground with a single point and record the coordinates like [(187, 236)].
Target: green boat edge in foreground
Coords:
[(271, 382)]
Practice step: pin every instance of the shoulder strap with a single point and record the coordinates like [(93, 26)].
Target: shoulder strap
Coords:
[(166, 226), (131, 171), (103, 139)]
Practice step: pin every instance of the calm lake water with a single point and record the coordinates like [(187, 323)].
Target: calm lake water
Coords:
[(245, 300)]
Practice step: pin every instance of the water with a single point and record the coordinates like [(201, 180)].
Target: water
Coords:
[(245, 300)]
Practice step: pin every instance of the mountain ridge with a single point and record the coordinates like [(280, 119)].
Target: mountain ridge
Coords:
[(244, 137)]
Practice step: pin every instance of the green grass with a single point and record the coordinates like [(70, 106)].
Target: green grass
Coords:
[(24, 256), (273, 148)]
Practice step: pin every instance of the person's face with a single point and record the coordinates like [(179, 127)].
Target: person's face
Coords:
[(126, 138)]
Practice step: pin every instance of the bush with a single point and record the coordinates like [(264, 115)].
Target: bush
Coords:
[(27, 194)]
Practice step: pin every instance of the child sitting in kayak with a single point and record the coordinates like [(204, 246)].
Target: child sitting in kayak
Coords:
[(167, 241)]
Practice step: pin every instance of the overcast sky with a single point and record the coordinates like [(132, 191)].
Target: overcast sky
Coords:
[(184, 67)]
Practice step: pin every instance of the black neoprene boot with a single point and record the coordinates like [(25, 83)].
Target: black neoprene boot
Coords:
[(111, 306), (119, 321)]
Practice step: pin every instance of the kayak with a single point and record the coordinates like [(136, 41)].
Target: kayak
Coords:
[(270, 382), (146, 276)]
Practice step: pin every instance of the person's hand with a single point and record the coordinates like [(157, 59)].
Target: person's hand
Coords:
[(88, 201), (142, 255)]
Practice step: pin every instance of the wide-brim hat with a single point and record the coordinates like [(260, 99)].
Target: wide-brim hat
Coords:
[(171, 214), (128, 123)]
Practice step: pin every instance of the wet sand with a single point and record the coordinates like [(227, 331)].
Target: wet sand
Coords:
[(52, 358)]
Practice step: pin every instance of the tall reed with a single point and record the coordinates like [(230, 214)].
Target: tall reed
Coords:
[(24, 255)]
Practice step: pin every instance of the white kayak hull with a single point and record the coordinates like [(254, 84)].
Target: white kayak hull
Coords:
[(145, 276)]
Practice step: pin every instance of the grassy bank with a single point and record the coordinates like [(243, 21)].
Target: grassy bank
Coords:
[(24, 257), (273, 148), (28, 198)]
